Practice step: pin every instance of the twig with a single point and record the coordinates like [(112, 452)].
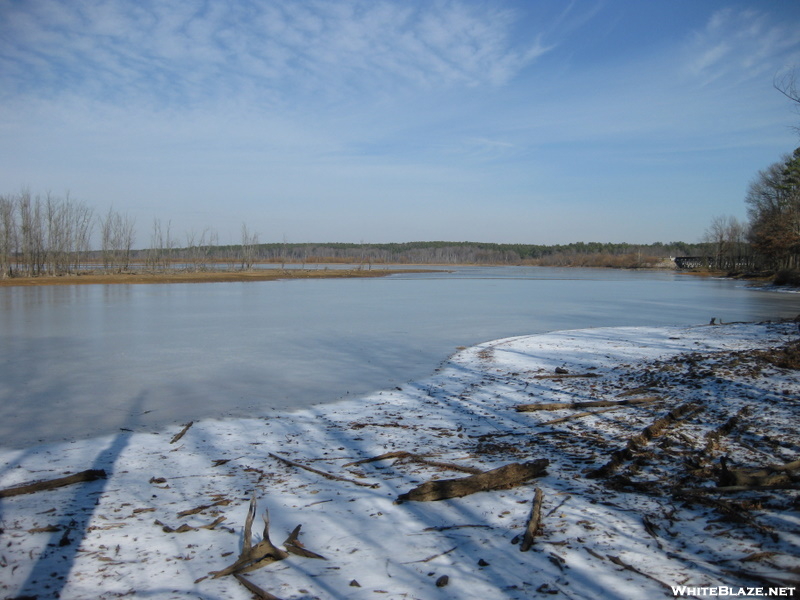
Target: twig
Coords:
[(254, 589), (589, 404), (181, 433), (322, 473), (430, 558)]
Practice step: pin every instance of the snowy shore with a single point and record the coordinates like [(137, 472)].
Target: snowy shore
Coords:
[(619, 519)]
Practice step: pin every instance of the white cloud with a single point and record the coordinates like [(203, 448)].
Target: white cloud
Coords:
[(164, 52)]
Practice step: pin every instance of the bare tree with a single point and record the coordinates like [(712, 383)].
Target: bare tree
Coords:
[(249, 246), (8, 236), (117, 234)]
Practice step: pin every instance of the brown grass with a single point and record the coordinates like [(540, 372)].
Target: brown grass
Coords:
[(94, 278)]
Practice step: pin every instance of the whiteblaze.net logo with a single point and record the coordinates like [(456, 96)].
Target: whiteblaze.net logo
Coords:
[(733, 592)]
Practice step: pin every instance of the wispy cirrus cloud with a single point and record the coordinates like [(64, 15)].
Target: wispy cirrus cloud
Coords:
[(739, 44), (179, 52)]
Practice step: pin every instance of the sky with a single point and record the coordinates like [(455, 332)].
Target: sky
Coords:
[(509, 121)]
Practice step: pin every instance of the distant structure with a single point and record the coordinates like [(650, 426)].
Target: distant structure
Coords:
[(693, 262)]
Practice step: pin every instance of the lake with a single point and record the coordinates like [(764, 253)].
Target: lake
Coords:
[(85, 360)]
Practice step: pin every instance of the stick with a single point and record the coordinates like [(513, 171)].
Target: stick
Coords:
[(254, 589), (51, 484), (565, 375), (582, 414), (419, 459), (591, 404), (182, 432), (503, 477), (323, 473), (533, 521)]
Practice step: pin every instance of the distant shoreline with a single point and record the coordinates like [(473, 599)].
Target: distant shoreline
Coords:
[(94, 278)]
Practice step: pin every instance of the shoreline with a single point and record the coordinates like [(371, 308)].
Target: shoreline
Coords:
[(198, 277), (172, 510)]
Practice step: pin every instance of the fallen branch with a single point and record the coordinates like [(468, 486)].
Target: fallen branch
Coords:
[(647, 434), (402, 454), (565, 375), (194, 511), (182, 432), (253, 557), (322, 473), (588, 413), (617, 561), (503, 477), (590, 404), (52, 484), (757, 476), (730, 489), (533, 521), (254, 589)]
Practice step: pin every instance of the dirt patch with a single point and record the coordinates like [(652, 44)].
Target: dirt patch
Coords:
[(94, 278)]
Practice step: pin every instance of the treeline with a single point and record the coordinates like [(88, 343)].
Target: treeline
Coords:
[(770, 239), (53, 236), (442, 252)]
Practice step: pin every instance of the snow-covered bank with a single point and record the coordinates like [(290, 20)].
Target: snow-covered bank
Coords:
[(630, 532)]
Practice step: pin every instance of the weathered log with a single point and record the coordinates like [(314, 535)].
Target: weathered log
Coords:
[(52, 484), (533, 521), (181, 433), (503, 477), (589, 404), (757, 476), (322, 473)]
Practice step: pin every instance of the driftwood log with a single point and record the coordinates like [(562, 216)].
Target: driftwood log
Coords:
[(533, 521), (757, 476), (589, 404), (52, 484), (503, 477)]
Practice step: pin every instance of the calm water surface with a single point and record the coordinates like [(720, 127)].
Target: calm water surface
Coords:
[(79, 361)]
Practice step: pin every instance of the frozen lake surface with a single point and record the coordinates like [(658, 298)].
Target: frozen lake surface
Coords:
[(80, 361)]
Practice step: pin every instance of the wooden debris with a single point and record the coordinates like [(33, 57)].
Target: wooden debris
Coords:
[(617, 561), (182, 432), (565, 375), (322, 473), (194, 511), (533, 521), (254, 589), (757, 476), (430, 558), (52, 484), (503, 477), (579, 415), (402, 454), (253, 557), (589, 404), (647, 434), (730, 489), (295, 546)]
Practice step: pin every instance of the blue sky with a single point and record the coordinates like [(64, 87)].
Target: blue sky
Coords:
[(383, 121)]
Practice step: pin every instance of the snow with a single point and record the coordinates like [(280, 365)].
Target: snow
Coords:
[(630, 535)]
